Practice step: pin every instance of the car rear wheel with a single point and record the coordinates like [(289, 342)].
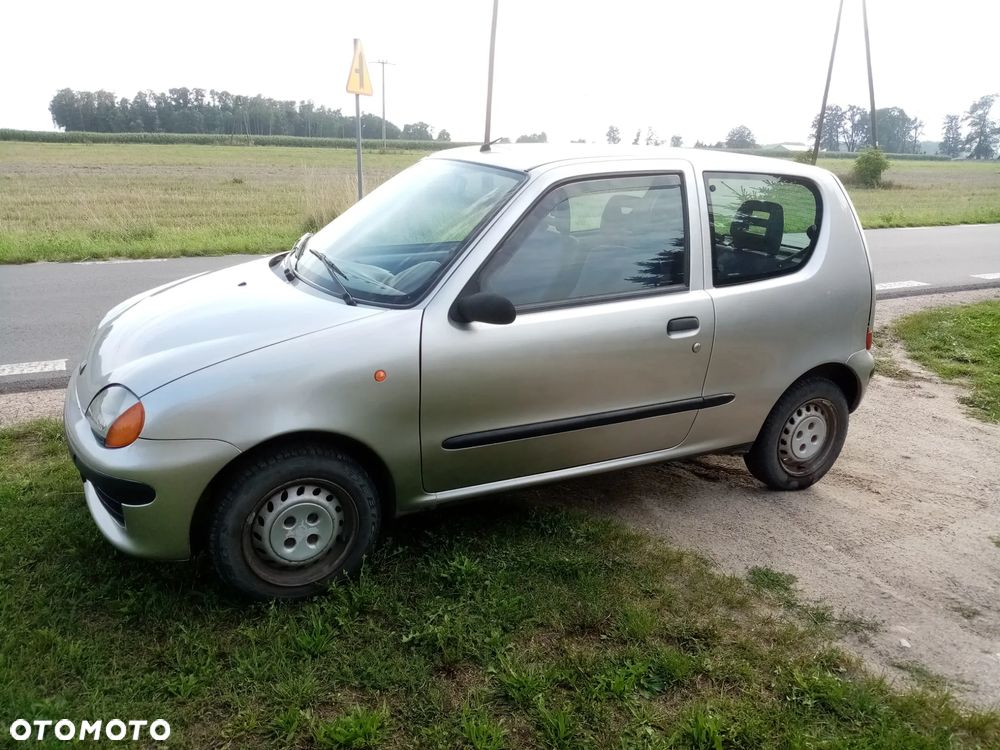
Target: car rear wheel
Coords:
[(292, 521), (801, 437)]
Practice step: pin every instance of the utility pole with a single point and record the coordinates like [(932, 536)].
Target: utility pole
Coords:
[(826, 91), (383, 63), (489, 85), (871, 84)]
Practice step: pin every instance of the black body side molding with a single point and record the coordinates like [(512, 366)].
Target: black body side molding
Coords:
[(601, 419)]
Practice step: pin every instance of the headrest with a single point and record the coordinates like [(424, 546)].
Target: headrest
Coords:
[(617, 211), (758, 225), (558, 217)]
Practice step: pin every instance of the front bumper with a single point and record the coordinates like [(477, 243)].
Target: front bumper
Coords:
[(176, 471)]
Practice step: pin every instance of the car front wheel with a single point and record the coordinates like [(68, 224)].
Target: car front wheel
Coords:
[(801, 437), (293, 520)]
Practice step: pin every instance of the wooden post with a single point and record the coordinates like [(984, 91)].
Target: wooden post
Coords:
[(826, 90), (489, 84), (871, 84)]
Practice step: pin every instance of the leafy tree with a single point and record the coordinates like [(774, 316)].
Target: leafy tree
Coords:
[(833, 126), (65, 110), (417, 131), (740, 137), (638, 135), (854, 130), (676, 141), (444, 135), (951, 137), (916, 130), (533, 138), (983, 132), (894, 130), (371, 127), (613, 135)]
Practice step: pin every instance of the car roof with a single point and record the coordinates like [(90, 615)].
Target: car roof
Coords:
[(526, 157)]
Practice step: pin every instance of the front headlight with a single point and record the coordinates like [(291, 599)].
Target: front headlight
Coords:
[(116, 416)]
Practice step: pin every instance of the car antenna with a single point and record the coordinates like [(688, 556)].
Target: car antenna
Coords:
[(489, 85)]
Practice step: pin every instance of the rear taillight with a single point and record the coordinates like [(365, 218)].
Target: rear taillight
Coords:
[(868, 340)]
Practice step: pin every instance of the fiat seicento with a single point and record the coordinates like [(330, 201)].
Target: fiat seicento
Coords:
[(483, 321)]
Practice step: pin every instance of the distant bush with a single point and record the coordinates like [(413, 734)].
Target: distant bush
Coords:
[(869, 166), (371, 144)]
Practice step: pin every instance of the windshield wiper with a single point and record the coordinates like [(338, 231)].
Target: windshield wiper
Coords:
[(335, 273)]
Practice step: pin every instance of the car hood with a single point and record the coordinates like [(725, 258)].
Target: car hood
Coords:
[(168, 332)]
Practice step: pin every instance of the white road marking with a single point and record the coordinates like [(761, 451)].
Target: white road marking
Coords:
[(27, 368), (987, 276), (118, 260), (898, 285)]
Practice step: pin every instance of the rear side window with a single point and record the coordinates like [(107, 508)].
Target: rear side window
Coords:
[(763, 225)]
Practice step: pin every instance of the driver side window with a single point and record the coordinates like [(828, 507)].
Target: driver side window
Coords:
[(593, 240)]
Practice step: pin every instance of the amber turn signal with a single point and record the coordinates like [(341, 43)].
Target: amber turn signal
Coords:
[(126, 428)]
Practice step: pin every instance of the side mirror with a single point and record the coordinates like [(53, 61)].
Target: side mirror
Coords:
[(484, 307)]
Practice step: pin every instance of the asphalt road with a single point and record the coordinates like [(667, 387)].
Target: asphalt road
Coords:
[(48, 310)]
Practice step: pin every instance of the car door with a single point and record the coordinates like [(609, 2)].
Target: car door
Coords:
[(609, 350)]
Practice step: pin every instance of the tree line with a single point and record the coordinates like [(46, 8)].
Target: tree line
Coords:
[(184, 110), (973, 134)]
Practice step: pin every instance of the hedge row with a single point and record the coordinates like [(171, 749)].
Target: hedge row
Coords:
[(781, 154), (41, 136), (371, 144)]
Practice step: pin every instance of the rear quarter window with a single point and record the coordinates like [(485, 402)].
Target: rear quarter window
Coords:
[(762, 225)]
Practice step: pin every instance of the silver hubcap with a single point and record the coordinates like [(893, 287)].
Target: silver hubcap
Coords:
[(804, 439), (297, 525)]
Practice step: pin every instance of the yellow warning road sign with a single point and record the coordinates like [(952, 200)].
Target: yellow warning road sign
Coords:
[(359, 82)]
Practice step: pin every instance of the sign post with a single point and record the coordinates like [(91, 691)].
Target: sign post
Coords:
[(359, 83)]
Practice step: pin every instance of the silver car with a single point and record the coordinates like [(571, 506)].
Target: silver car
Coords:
[(483, 321)]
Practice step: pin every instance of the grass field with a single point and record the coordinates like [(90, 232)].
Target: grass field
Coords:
[(80, 201), (497, 625), (67, 201), (927, 193), (960, 343)]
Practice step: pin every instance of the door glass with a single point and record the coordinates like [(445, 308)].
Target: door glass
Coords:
[(595, 239), (763, 225)]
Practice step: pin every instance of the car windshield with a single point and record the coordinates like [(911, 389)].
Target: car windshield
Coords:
[(391, 246)]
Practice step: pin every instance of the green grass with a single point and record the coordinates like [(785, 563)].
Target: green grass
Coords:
[(81, 201), (960, 343), (77, 201), (496, 625), (927, 193)]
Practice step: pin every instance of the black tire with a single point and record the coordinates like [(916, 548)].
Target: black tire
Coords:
[(801, 437), (301, 499)]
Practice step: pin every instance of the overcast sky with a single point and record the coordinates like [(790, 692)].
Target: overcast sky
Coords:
[(570, 68)]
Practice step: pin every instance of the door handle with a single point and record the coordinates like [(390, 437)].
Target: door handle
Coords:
[(679, 326)]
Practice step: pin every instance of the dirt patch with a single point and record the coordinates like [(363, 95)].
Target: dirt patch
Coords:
[(23, 407), (900, 531)]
